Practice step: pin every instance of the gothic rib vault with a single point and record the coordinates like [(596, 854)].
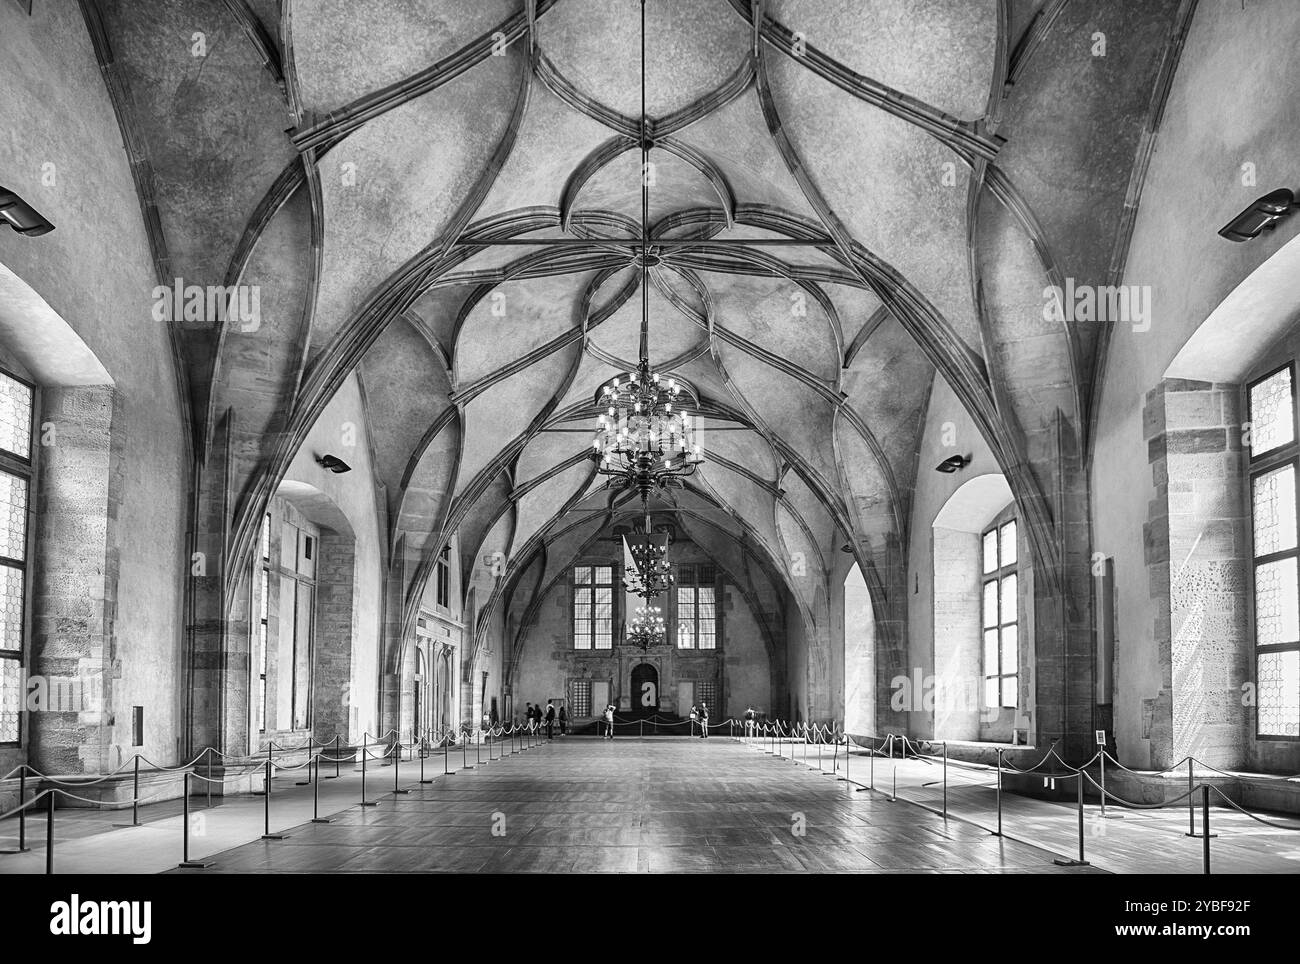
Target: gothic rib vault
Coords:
[(391, 177)]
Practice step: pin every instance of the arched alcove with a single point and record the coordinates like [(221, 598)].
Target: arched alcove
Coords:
[(859, 655), (982, 651)]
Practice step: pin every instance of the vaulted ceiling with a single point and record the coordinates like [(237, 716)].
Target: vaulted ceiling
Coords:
[(438, 195)]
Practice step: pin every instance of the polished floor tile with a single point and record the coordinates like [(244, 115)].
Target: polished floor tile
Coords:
[(658, 805)]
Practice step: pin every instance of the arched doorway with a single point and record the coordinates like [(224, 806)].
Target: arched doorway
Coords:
[(645, 690)]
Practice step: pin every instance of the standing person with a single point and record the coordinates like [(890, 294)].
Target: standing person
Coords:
[(704, 721), (749, 721), (564, 720), (550, 721), (609, 721), (695, 715), (528, 717)]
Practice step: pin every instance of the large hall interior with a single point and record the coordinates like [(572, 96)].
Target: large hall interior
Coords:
[(423, 421)]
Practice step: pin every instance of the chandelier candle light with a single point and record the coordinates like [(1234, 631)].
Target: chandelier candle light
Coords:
[(647, 628)]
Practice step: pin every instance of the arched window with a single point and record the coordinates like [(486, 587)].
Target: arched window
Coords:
[(999, 606), (1274, 450), (17, 403)]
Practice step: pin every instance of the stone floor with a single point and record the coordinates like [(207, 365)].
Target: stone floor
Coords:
[(647, 805), (637, 805)]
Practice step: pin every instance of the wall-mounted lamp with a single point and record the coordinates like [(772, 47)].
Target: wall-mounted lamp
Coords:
[(21, 216), (1262, 215), (333, 463), (952, 464)]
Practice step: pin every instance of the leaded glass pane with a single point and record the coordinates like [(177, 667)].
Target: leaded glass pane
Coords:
[(11, 699), (582, 574), (1277, 609), (11, 608), (991, 652), (266, 536), (1272, 419), (990, 603), (1008, 605), (13, 516), (990, 551), (15, 417), (604, 626), (991, 691), (1273, 501), (604, 575), (1279, 693), (1009, 691), (1010, 650), (1007, 542)]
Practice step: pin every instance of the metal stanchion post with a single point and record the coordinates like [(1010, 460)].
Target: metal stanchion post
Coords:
[(135, 793), (1081, 862), (397, 759), (267, 835), (464, 754), (22, 813), (478, 751), (1205, 826), (49, 834), (365, 753), (999, 830), (207, 783), (872, 781), (185, 830), (945, 779), (446, 751), (337, 756), (315, 792), (1191, 803)]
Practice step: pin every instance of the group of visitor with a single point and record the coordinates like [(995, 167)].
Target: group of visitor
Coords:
[(547, 718), (700, 714)]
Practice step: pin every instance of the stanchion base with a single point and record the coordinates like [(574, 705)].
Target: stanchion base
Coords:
[(303, 783), (369, 803), (195, 864), (20, 850), (1110, 816), (430, 781), (1064, 862), (322, 819), (329, 778), (275, 836), (115, 826), (400, 791), (1200, 836)]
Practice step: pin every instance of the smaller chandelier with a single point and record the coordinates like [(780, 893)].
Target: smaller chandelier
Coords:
[(643, 438), (647, 628), (649, 574)]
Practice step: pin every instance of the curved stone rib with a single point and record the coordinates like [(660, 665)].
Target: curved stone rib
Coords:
[(711, 172), (959, 136), (1033, 38), (563, 88), (731, 88), (258, 36), (942, 346), (878, 317), (339, 123), (591, 165)]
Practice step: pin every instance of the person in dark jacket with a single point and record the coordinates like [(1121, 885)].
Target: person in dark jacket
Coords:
[(528, 717), (550, 721), (704, 721), (564, 721)]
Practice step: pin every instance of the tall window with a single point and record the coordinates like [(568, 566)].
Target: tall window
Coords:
[(1273, 454), (697, 611), (1001, 634), (593, 607), (296, 628), (444, 578), (17, 400), (263, 623)]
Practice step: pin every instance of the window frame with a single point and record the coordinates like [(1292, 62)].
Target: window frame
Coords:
[(25, 469), (1256, 466), (442, 579), (694, 585), (1001, 571), (614, 607)]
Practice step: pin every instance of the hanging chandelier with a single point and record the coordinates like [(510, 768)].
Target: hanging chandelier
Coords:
[(647, 628), (644, 441)]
